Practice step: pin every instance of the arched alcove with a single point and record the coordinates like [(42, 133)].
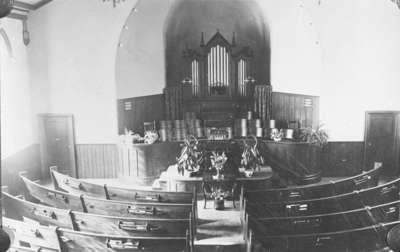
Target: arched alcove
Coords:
[(155, 34), (191, 23)]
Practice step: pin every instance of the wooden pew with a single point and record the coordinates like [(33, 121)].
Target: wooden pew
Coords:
[(18, 208), (76, 186), (31, 236), (22, 249), (73, 241), (361, 181), (92, 205), (381, 194), (367, 239), (331, 222)]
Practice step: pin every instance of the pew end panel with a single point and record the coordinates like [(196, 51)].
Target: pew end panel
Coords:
[(52, 197), (32, 235), (77, 186)]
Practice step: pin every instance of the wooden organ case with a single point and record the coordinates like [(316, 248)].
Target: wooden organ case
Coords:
[(218, 84)]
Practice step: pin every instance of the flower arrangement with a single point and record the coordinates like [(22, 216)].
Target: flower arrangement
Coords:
[(317, 136), (217, 162), (190, 157), (251, 158)]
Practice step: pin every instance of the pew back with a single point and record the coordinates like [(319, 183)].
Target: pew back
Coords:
[(381, 194), (76, 186), (361, 181), (73, 241), (18, 208), (107, 207), (332, 222), (367, 239)]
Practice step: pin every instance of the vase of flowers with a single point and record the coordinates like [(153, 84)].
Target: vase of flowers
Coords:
[(217, 162)]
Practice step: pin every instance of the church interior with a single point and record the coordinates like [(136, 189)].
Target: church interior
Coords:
[(200, 125)]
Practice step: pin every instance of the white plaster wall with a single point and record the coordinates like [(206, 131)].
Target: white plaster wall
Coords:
[(16, 111), (72, 59), (346, 51)]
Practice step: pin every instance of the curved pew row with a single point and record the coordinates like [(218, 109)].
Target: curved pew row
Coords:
[(367, 239), (73, 185), (324, 223), (36, 237), (361, 181), (18, 208), (92, 205), (381, 194)]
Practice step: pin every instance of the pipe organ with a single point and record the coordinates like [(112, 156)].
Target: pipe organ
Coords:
[(195, 77), (217, 82), (242, 77), (217, 68)]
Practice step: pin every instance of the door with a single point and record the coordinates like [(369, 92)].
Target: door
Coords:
[(380, 141), (57, 143)]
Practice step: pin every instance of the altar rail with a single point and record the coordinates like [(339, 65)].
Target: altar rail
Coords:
[(339, 159)]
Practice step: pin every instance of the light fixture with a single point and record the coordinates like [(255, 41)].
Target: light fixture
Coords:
[(250, 80), (5, 7), (187, 80)]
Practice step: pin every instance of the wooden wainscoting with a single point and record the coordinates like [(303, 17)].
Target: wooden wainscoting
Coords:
[(97, 160), (287, 107), (132, 112), (341, 159)]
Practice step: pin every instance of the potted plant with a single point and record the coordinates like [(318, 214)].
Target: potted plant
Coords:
[(190, 157), (317, 136), (251, 158)]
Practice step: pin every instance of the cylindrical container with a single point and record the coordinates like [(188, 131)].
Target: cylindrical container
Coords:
[(163, 135), (198, 132), (240, 129), (249, 115), (165, 124), (259, 132), (219, 204), (208, 132), (272, 124), (289, 133), (197, 123), (258, 123), (179, 124), (230, 132)]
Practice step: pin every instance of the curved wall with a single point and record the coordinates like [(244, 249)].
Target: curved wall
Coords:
[(187, 19)]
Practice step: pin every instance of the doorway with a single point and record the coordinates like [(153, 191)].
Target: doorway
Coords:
[(57, 143), (382, 141)]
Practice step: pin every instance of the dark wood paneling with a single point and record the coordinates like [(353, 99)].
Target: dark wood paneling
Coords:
[(27, 160), (132, 112), (340, 159), (288, 107), (97, 160)]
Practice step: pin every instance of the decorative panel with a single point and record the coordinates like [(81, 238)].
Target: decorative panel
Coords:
[(97, 160), (295, 108)]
